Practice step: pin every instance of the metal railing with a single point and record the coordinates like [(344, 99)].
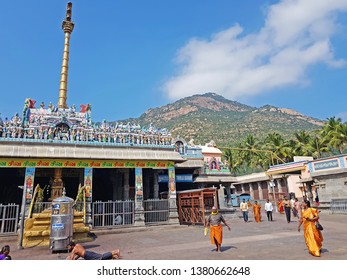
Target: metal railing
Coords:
[(112, 213), (338, 206), (38, 207), (9, 217), (156, 210)]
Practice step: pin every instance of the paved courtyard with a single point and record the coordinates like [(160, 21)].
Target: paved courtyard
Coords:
[(277, 240)]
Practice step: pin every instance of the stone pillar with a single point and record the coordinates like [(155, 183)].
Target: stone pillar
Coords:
[(126, 186), (228, 191), (279, 185), (139, 210), (270, 190), (260, 190), (155, 184), (251, 192), (271, 186), (146, 187), (115, 182), (88, 184), (173, 215), (221, 197)]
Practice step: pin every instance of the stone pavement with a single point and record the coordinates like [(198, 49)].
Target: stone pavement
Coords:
[(277, 240)]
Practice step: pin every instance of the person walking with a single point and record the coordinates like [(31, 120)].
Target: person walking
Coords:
[(296, 208), (287, 208), (244, 210), (256, 211), (313, 237), (78, 251), (269, 208), (280, 206), (214, 221)]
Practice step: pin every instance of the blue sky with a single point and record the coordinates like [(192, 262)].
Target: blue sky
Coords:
[(127, 56)]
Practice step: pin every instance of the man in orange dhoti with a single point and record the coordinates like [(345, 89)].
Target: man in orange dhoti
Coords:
[(256, 212), (214, 221)]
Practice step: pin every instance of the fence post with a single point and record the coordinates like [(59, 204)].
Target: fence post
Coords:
[(22, 217)]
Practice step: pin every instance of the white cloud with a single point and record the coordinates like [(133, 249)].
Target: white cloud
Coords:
[(296, 35)]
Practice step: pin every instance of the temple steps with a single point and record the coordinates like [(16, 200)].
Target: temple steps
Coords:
[(37, 229)]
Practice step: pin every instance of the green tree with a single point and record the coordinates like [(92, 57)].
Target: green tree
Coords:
[(279, 146), (317, 146)]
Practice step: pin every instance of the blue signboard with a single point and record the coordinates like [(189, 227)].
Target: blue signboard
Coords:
[(326, 164), (57, 226), (180, 178)]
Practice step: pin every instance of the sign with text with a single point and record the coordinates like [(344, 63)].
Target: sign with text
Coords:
[(76, 163), (326, 164), (180, 178)]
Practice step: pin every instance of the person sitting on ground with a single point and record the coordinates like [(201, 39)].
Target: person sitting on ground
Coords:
[(4, 254), (78, 251)]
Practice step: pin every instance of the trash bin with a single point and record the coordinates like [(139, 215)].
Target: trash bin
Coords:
[(61, 223)]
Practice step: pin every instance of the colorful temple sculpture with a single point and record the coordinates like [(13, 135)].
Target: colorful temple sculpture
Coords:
[(118, 174)]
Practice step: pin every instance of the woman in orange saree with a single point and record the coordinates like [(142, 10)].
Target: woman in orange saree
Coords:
[(313, 236), (280, 207), (256, 211)]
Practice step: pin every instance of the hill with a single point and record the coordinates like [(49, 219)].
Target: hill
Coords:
[(209, 116)]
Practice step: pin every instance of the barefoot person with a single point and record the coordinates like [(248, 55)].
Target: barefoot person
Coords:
[(214, 220), (78, 251), (313, 236), (256, 211)]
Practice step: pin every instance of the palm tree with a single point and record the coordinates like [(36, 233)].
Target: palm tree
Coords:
[(250, 150), (230, 156), (316, 146), (330, 125), (302, 138), (338, 138), (278, 145)]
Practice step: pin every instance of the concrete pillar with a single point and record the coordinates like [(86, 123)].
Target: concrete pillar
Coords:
[(260, 190), (155, 184), (139, 210), (270, 190), (88, 184), (126, 186), (146, 187), (228, 191), (279, 185), (251, 191), (243, 188), (221, 197), (173, 216), (116, 180)]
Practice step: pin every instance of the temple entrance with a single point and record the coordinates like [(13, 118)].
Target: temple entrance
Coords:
[(108, 184), (10, 179), (71, 178)]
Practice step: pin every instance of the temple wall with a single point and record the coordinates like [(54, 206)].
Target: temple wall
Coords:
[(72, 151)]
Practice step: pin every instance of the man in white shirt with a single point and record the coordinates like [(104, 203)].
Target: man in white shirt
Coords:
[(269, 208), (244, 210)]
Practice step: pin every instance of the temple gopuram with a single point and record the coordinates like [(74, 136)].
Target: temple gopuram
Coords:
[(117, 171)]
